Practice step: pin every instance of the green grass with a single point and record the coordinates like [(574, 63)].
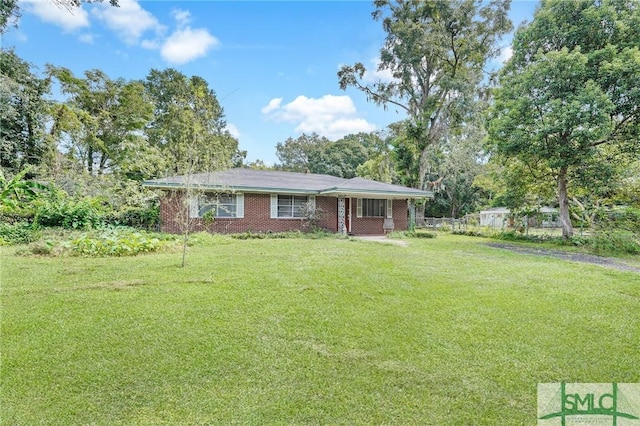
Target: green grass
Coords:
[(295, 331)]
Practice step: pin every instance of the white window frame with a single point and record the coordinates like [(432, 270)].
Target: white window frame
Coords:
[(275, 203), (361, 209), (197, 204)]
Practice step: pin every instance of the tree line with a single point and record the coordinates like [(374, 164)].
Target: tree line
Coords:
[(558, 124), (134, 129)]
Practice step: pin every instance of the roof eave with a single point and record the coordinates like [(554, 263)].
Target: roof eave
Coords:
[(355, 193), (331, 192), (251, 189)]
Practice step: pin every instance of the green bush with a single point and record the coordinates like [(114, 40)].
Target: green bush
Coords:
[(473, 233), (68, 213), (627, 219), (614, 242), (533, 238), (318, 233), (414, 234), (18, 233), (116, 242), (266, 235), (136, 217)]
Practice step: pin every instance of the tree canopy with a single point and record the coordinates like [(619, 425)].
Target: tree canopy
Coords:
[(22, 112), (103, 119), (188, 122), (569, 99), (435, 52), (318, 154)]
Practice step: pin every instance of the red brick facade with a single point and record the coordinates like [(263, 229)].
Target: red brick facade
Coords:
[(373, 225), (257, 212)]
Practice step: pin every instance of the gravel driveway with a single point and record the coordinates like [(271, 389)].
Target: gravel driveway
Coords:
[(574, 257)]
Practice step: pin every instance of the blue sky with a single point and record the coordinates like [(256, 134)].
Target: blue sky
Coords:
[(272, 64)]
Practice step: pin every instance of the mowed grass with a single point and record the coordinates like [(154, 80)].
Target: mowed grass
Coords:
[(444, 331)]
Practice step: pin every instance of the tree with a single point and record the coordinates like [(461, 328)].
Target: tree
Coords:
[(297, 155), (188, 127), (435, 50), (568, 99), (317, 154), (9, 11), (258, 165), (343, 157), (104, 120), (458, 161), (22, 113), (180, 105), (380, 163)]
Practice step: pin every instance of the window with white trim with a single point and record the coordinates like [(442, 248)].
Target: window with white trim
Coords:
[(374, 207), (221, 205), (290, 206)]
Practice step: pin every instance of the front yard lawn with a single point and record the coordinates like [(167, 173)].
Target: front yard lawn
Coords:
[(297, 331)]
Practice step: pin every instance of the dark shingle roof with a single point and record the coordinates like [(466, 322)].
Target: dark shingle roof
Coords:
[(250, 180)]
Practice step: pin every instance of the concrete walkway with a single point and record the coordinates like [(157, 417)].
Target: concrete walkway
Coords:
[(382, 239)]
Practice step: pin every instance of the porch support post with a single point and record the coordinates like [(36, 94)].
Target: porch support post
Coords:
[(412, 215), (342, 227)]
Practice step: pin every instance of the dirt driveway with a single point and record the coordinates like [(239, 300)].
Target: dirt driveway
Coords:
[(574, 257)]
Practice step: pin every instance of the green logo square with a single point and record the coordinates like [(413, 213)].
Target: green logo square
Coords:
[(572, 404)]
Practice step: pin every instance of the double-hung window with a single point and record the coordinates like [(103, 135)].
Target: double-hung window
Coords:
[(373, 207), (220, 205), (290, 206)]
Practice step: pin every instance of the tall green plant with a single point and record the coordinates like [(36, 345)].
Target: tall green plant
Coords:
[(17, 189)]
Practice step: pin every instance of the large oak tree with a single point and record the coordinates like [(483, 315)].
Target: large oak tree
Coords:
[(435, 51)]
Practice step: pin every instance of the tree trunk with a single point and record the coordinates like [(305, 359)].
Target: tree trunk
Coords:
[(423, 169), (90, 160), (563, 199), (103, 163), (185, 243)]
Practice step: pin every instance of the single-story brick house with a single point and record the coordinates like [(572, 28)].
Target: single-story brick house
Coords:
[(242, 200)]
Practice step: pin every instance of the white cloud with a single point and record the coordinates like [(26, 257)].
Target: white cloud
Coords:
[(185, 45), (68, 19), (129, 21), (330, 116), (273, 105), (86, 38), (233, 130), (150, 44), (505, 55), (182, 17), (373, 74)]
